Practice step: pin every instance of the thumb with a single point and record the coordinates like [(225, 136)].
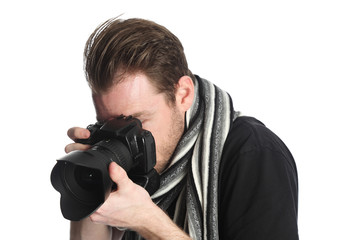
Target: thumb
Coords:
[(118, 174)]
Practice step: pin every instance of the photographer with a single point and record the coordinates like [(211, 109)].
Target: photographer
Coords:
[(223, 176)]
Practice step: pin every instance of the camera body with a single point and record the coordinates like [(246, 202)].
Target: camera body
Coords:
[(129, 131), (82, 177)]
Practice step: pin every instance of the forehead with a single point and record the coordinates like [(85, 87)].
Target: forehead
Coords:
[(134, 95)]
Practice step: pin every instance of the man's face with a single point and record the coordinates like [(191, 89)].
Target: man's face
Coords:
[(136, 96)]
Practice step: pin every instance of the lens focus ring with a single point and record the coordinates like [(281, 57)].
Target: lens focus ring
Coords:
[(114, 147)]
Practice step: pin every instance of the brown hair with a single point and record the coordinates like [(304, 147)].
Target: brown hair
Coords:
[(134, 45)]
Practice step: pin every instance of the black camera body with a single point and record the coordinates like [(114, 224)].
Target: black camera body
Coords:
[(129, 131), (82, 177)]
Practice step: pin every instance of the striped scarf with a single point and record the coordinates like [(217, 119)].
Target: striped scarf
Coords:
[(192, 176)]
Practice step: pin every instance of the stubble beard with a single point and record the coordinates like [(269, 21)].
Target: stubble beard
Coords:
[(175, 132)]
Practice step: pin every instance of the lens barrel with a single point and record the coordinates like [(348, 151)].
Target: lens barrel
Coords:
[(83, 180)]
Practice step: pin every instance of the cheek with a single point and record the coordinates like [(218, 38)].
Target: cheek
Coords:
[(157, 129), (160, 129), (159, 124)]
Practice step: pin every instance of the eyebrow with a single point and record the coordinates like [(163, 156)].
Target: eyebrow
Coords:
[(135, 115), (141, 113)]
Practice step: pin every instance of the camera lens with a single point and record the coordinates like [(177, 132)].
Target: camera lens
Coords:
[(87, 178), (84, 183)]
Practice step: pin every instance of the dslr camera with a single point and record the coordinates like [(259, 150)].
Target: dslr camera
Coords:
[(82, 177)]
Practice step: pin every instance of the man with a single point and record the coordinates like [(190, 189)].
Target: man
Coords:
[(223, 176)]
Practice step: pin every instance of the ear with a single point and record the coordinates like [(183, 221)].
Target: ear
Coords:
[(184, 94)]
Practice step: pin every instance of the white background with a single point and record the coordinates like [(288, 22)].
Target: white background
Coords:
[(295, 65)]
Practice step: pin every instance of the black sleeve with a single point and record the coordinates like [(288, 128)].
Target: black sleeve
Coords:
[(258, 189)]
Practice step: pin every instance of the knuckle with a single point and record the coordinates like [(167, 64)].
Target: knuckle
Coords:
[(76, 146), (93, 217), (69, 148), (78, 133), (71, 133)]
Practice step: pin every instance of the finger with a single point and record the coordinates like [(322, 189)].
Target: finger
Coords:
[(78, 133), (117, 174), (76, 146)]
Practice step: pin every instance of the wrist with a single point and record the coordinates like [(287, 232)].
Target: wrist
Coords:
[(156, 224)]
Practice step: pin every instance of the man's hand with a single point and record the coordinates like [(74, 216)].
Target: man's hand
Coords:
[(130, 206), (126, 206), (77, 133)]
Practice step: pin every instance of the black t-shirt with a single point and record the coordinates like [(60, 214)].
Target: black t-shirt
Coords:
[(258, 187)]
